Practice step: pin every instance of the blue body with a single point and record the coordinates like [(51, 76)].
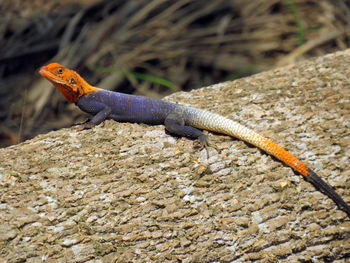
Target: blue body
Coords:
[(131, 108)]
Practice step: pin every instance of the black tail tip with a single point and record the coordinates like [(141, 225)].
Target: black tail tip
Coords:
[(326, 189)]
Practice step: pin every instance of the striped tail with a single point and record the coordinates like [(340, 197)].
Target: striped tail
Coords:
[(213, 122)]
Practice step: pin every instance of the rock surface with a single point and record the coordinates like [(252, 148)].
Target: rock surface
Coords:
[(126, 192)]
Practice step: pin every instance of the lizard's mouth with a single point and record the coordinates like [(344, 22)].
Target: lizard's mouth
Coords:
[(50, 77), (60, 84)]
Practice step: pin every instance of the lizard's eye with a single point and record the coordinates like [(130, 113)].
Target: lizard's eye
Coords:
[(60, 71), (72, 81)]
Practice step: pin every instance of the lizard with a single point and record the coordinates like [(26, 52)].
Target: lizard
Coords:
[(178, 119)]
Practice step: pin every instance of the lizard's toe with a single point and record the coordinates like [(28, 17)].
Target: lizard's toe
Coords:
[(84, 126), (204, 141), (81, 123)]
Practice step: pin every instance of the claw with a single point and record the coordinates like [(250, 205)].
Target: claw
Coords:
[(84, 126), (81, 123), (204, 142)]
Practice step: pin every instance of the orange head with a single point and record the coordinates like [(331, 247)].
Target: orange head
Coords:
[(67, 81)]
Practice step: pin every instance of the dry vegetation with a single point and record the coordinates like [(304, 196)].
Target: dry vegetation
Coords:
[(188, 43)]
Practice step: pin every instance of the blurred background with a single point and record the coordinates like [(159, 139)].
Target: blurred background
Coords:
[(151, 48)]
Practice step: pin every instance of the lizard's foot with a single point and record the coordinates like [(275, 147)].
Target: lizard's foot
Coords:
[(84, 126), (81, 123), (204, 141)]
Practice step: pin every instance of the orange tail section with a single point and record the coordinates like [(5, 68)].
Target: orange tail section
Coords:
[(285, 156)]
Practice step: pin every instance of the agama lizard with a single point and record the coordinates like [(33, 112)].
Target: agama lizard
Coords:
[(178, 119)]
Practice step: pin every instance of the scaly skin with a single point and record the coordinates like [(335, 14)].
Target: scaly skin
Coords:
[(178, 119)]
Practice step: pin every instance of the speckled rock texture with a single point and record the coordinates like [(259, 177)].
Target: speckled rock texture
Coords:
[(124, 192)]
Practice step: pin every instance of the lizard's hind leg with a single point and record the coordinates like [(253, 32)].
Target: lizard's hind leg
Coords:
[(175, 124)]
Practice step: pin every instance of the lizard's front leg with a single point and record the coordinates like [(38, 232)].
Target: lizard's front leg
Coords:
[(100, 111), (175, 124), (97, 119)]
